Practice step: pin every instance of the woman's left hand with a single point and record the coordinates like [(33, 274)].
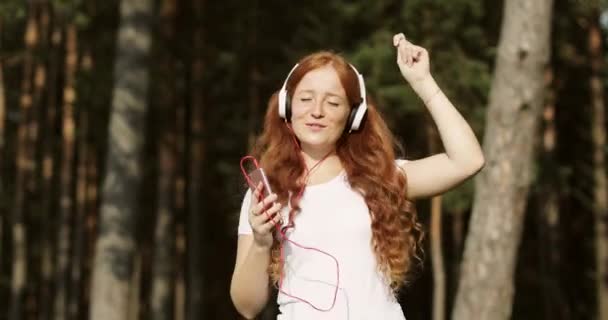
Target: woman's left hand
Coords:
[(413, 60)]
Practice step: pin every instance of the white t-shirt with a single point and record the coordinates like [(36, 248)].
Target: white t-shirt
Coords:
[(333, 218)]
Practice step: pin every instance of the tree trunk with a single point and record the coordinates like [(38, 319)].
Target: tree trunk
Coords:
[(195, 300), (436, 230), (79, 234), (48, 176), (113, 264), (598, 134), (2, 143), (35, 162), (457, 232), (179, 201), (91, 219), (516, 99), (437, 260), (254, 75), (180, 277), (88, 151), (554, 305), (66, 182), (134, 298), (163, 271), (40, 82), (179, 208), (19, 236)]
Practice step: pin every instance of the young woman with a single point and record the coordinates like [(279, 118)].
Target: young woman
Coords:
[(338, 234)]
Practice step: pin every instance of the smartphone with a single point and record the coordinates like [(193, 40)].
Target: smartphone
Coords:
[(258, 176)]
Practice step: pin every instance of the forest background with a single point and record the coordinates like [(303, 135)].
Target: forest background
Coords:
[(122, 124)]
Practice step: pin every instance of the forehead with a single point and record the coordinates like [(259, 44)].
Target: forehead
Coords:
[(324, 79)]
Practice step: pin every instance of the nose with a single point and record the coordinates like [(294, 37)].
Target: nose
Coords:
[(317, 110)]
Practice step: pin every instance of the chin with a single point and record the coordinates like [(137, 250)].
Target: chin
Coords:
[(315, 140), (314, 143)]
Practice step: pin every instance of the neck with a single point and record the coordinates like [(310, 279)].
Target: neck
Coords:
[(312, 157)]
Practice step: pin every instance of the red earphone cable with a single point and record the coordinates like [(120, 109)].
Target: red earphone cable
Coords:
[(282, 231)]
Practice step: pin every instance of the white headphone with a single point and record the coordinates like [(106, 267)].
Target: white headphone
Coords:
[(356, 116)]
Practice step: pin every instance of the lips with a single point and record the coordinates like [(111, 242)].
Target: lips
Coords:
[(315, 125)]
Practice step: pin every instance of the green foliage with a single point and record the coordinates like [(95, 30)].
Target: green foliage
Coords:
[(459, 199), (66, 6), (13, 10)]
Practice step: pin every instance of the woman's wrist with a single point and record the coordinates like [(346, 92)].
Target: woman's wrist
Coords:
[(426, 88), (260, 248)]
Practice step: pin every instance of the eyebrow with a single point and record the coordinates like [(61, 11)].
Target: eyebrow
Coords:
[(327, 93)]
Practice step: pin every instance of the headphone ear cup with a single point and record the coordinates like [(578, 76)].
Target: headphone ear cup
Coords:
[(288, 107), (351, 118)]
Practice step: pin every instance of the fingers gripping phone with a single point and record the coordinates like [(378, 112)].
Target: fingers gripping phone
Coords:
[(255, 177)]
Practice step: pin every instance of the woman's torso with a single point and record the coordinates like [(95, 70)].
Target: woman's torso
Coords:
[(336, 220)]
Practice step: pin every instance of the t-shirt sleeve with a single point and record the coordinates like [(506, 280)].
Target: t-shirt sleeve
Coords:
[(400, 161), (244, 226)]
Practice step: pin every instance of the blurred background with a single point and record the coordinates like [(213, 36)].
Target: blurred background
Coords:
[(122, 124)]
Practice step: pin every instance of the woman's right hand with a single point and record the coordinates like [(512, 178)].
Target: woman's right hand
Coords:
[(263, 215)]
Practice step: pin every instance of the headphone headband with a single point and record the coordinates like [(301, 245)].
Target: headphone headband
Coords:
[(283, 95)]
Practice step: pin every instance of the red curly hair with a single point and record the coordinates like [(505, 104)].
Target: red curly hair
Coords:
[(368, 158)]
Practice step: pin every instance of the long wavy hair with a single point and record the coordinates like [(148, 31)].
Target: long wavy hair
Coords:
[(368, 157)]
